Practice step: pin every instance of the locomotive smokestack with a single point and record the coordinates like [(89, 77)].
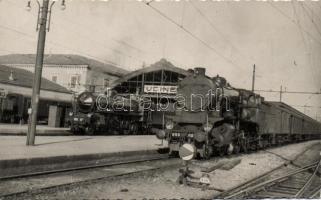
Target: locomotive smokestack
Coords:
[(200, 71)]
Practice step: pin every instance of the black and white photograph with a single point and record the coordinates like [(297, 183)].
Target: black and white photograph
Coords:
[(160, 99)]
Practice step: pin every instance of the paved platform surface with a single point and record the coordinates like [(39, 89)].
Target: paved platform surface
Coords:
[(13, 147), (17, 129)]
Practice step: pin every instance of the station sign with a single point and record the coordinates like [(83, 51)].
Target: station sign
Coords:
[(160, 89)]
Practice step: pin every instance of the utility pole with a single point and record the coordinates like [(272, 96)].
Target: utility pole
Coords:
[(253, 78), (38, 71), (281, 93), (42, 23)]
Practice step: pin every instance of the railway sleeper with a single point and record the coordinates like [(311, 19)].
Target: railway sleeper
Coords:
[(303, 174), (267, 194), (289, 187), (313, 188), (294, 185), (313, 191), (300, 181), (282, 190)]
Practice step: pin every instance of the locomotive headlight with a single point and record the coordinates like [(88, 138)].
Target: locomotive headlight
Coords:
[(71, 114), (89, 115), (169, 125), (88, 100), (207, 127)]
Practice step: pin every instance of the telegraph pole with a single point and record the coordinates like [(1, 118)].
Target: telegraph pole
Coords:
[(42, 24), (38, 71), (253, 78)]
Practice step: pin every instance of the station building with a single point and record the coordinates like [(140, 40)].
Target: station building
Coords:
[(74, 72), (156, 81), (15, 98), (159, 78), (65, 75)]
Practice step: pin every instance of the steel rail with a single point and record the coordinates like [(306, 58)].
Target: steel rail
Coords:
[(39, 190), (316, 192), (308, 183), (91, 180), (251, 181), (266, 183), (81, 168)]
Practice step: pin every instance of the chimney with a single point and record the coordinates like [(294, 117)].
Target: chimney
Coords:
[(200, 71), (11, 78)]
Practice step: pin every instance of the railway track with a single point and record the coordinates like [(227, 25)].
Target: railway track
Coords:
[(108, 164), (25, 182), (104, 172), (303, 182)]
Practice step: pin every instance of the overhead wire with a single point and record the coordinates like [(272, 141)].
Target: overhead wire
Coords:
[(60, 45), (308, 106), (304, 42), (301, 29), (312, 11), (293, 21), (115, 40), (78, 33), (217, 30), (125, 43), (290, 92), (311, 18), (183, 13), (249, 58), (192, 35)]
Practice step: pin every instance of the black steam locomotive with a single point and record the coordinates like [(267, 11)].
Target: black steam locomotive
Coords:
[(110, 113), (219, 119)]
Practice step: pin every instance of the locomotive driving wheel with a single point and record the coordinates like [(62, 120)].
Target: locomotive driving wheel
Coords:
[(222, 150), (89, 130), (133, 127), (236, 149)]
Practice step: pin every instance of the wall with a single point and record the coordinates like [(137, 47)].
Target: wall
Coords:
[(44, 94), (97, 78), (62, 72)]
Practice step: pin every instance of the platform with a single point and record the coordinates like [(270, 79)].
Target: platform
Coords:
[(17, 129), (61, 151)]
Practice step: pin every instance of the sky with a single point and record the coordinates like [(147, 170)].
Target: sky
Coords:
[(283, 39)]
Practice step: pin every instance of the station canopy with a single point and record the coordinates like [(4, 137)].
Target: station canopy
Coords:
[(161, 77)]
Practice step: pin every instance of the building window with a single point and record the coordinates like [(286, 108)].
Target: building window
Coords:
[(106, 82), (74, 80), (54, 79)]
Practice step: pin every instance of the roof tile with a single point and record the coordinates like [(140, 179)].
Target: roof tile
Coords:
[(24, 78)]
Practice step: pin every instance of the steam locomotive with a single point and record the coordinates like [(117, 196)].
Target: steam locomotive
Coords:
[(95, 113), (219, 119)]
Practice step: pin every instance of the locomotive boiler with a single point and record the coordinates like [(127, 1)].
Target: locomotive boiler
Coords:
[(108, 113), (219, 119)]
